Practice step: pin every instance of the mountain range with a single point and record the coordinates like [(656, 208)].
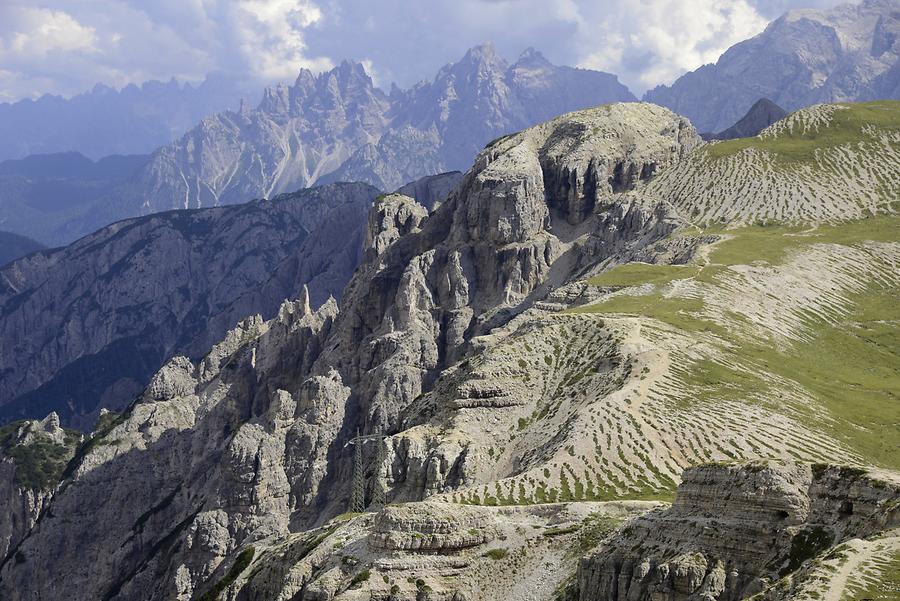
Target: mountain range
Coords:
[(338, 126), (848, 53), (86, 325), (335, 126), (615, 362), (106, 121)]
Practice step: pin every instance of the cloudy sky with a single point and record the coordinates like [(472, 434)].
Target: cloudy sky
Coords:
[(66, 46)]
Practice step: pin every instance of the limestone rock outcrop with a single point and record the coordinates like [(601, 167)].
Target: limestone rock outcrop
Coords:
[(33, 455), (735, 530), (527, 554), (394, 216), (160, 495), (424, 527)]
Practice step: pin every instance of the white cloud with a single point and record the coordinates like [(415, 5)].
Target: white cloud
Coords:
[(664, 38), (42, 31), (64, 47), (271, 36)]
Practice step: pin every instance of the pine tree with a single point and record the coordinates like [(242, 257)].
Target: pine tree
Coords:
[(358, 486)]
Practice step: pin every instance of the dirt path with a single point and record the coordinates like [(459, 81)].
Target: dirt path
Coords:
[(851, 569)]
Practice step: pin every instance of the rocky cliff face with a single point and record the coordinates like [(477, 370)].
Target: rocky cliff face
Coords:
[(200, 475), (85, 326), (849, 53), (736, 531)]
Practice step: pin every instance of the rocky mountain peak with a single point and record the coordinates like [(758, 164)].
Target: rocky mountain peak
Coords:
[(305, 79), (761, 115), (531, 56), (532, 69), (276, 100), (478, 75), (352, 79), (483, 57), (802, 58), (348, 84)]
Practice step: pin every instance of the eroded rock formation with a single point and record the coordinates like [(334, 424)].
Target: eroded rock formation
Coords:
[(735, 530), (250, 442)]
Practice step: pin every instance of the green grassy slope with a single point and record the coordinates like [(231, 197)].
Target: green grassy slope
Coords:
[(844, 357), (794, 141), (822, 163)]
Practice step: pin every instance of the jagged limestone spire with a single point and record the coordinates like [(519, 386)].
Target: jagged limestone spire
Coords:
[(304, 300)]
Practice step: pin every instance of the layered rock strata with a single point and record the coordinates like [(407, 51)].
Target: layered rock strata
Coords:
[(735, 530)]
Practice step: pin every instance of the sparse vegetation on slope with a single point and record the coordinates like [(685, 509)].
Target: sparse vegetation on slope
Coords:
[(778, 331), (243, 560), (802, 136), (634, 274), (878, 578), (41, 462), (822, 163)]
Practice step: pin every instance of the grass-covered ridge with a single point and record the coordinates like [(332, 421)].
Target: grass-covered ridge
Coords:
[(824, 163), (800, 137), (800, 319)]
